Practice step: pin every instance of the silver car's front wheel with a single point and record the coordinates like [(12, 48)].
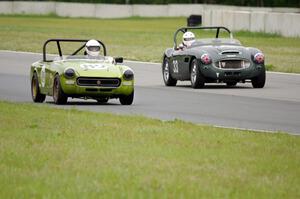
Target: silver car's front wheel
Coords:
[(197, 79), (194, 73), (166, 71), (168, 79)]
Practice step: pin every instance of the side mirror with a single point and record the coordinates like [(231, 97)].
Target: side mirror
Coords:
[(119, 59), (181, 46)]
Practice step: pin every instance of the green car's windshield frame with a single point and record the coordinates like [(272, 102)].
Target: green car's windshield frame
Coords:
[(185, 29), (58, 41)]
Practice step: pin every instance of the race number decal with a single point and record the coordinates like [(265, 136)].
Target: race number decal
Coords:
[(175, 66), (43, 75), (90, 66)]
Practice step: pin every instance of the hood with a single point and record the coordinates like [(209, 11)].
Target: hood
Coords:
[(225, 49), (91, 68)]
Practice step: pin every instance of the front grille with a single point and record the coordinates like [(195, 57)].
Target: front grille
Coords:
[(100, 89), (100, 82), (232, 64), (232, 73)]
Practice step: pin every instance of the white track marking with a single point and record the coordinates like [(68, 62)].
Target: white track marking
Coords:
[(255, 130)]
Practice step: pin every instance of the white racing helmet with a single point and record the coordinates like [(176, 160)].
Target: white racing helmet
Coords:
[(188, 38), (92, 48)]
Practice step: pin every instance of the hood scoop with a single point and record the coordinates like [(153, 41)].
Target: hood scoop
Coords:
[(230, 52)]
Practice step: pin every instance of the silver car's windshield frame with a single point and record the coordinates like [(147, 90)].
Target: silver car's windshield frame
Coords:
[(208, 42), (217, 28)]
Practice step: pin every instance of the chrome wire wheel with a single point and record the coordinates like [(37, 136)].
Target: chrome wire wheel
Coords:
[(33, 87), (197, 79), (166, 71), (36, 94), (59, 96), (194, 73), (55, 89)]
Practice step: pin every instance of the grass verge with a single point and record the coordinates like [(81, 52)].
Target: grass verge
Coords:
[(143, 39), (57, 153)]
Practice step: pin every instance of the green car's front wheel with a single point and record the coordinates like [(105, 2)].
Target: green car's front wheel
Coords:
[(36, 94), (127, 99), (58, 95)]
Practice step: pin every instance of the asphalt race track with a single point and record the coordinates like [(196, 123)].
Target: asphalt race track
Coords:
[(273, 108)]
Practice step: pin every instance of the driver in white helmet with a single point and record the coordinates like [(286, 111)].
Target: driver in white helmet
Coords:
[(92, 48), (187, 39)]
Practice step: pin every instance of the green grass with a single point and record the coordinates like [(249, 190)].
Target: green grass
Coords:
[(134, 38), (58, 153)]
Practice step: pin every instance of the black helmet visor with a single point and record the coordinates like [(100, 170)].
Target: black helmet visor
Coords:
[(93, 48)]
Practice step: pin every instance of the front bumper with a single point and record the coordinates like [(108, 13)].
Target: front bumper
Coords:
[(72, 89), (217, 74)]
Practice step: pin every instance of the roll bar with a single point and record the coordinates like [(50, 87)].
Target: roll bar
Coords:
[(68, 40), (185, 29)]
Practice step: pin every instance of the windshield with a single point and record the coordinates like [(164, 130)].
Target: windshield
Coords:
[(84, 57), (100, 58), (205, 42)]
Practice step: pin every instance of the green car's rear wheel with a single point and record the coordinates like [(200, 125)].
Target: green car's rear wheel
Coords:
[(58, 95), (168, 79), (36, 94), (197, 79), (127, 99), (260, 80)]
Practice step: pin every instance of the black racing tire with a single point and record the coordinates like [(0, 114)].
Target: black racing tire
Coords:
[(231, 84), (102, 100), (260, 80), (58, 95), (36, 94), (126, 99), (168, 79), (197, 79)]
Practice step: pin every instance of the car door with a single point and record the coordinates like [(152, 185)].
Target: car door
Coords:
[(184, 66), (44, 77), (176, 62), (180, 63)]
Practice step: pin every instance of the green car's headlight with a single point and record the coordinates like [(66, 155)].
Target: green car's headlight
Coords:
[(128, 75), (69, 72)]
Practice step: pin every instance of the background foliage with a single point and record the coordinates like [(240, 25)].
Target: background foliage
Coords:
[(259, 3)]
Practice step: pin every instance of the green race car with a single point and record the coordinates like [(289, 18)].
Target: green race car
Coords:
[(81, 75)]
